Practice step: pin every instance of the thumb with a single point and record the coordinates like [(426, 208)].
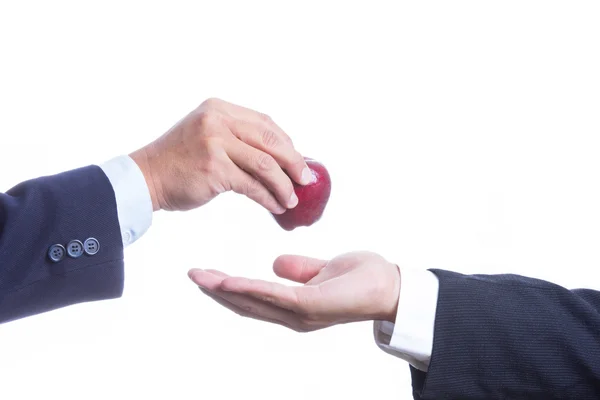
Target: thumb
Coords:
[(297, 268)]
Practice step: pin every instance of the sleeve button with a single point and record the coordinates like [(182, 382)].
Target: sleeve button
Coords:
[(127, 237), (75, 249), (91, 246), (56, 253)]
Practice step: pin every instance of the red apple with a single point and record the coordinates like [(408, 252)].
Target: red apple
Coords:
[(312, 199)]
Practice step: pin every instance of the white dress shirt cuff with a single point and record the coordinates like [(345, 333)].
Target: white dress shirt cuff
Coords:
[(134, 204), (411, 337)]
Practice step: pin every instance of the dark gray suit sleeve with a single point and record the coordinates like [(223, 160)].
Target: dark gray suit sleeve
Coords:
[(55, 210), (512, 337)]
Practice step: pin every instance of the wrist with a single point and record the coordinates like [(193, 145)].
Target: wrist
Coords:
[(142, 159), (392, 306)]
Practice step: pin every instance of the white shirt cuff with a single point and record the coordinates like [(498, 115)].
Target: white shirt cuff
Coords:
[(411, 337), (134, 204)]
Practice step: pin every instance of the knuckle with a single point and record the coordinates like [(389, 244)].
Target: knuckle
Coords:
[(265, 162), (270, 138), (265, 118), (209, 167), (251, 187), (208, 120), (298, 159), (211, 102), (211, 148), (211, 145)]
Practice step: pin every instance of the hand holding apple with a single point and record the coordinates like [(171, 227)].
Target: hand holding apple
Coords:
[(220, 147)]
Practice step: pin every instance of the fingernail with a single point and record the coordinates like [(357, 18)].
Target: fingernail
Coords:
[(306, 176), (293, 200)]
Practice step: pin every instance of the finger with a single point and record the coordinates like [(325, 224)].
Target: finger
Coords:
[(205, 279), (260, 131), (244, 183), (264, 167), (269, 292), (247, 306), (297, 268), (268, 140), (253, 116), (218, 273)]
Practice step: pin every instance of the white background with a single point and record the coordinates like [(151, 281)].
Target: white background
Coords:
[(459, 135)]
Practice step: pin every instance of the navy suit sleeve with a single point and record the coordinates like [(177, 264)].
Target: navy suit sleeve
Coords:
[(511, 337), (36, 214)]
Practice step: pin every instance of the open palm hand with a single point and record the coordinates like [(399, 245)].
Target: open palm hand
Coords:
[(352, 287)]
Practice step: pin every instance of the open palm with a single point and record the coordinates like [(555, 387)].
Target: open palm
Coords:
[(352, 287)]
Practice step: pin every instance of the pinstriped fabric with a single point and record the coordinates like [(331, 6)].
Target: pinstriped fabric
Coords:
[(511, 337)]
